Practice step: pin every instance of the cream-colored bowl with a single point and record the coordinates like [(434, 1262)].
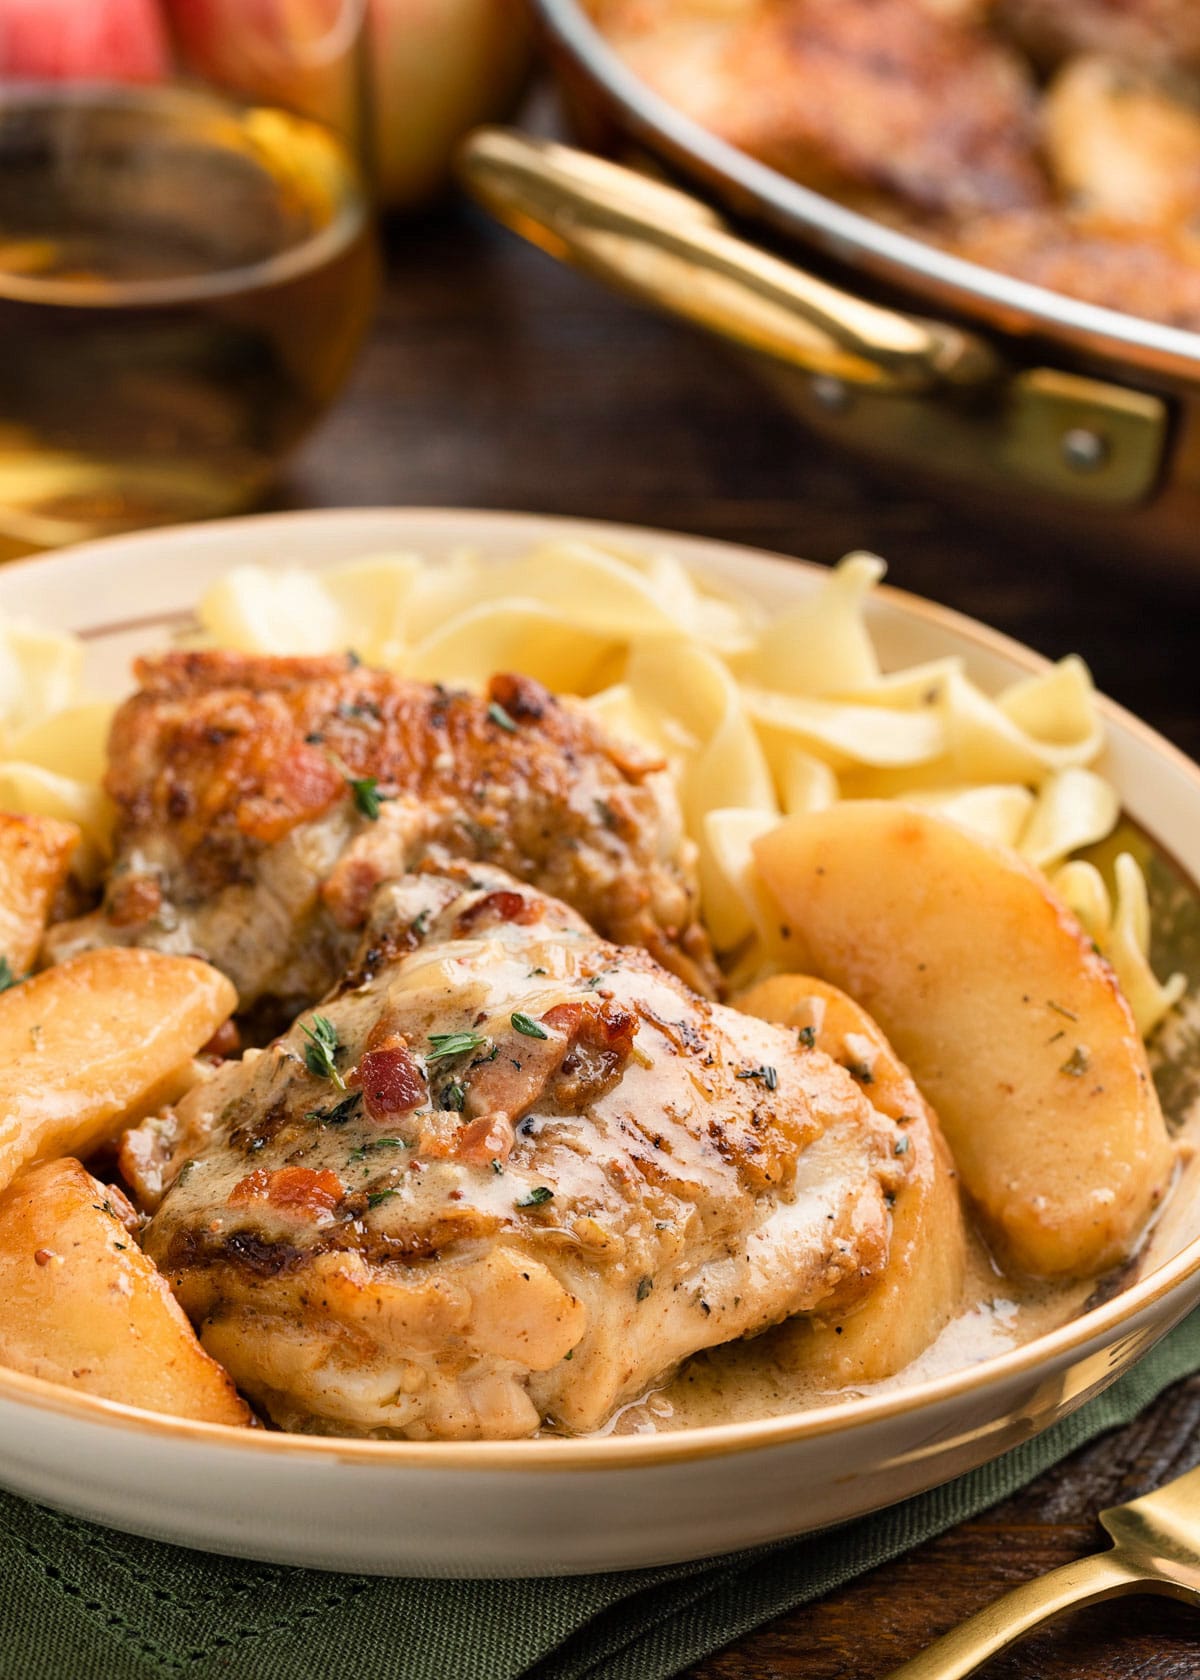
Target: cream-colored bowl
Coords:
[(549, 1506)]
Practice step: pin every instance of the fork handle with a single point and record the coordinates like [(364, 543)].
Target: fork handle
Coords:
[(995, 1627)]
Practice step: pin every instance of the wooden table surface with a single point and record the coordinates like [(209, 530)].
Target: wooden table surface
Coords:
[(496, 379)]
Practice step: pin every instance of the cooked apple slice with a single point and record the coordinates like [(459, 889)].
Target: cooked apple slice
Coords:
[(921, 1288), (1013, 1027), (35, 854), (81, 1304), (95, 1043)]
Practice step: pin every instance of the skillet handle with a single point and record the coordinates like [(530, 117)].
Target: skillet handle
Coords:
[(669, 250)]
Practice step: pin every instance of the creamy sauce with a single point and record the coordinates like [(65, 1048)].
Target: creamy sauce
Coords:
[(741, 1381)]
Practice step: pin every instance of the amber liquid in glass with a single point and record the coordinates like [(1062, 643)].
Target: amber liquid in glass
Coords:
[(183, 284)]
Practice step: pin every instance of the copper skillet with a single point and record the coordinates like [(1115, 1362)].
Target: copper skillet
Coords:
[(1082, 416)]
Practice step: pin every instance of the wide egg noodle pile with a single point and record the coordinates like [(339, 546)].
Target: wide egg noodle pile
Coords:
[(757, 717)]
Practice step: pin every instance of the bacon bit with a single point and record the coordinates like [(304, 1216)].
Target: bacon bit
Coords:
[(501, 906), (490, 1138), (521, 697), (391, 1079), (133, 900), (290, 1189), (226, 1041), (599, 1042), (392, 1082)]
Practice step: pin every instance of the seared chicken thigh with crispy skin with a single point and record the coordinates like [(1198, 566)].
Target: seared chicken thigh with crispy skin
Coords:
[(261, 802), (510, 1174), (858, 98)]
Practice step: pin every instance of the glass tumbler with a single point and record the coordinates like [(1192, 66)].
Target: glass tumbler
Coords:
[(187, 262)]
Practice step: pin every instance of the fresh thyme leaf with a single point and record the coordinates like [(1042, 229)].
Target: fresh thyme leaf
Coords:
[(498, 716), (903, 1145), (525, 1024), (496, 1167), (645, 1285), (335, 1116), (454, 1096), (606, 813), (420, 924), (366, 795), (1077, 1062), (378, 1197), (539, 1194), (323, 1045), (7, 977), (453, 1044), (766, 1074), (807, 1037), (364, 1149)]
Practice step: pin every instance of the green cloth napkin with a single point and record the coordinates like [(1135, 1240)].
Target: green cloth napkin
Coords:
[(84, 1603)]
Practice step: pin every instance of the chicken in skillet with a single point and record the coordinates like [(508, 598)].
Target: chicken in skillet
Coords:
[(864, 99), (1055, 140), (508, 1175), (261, 801)]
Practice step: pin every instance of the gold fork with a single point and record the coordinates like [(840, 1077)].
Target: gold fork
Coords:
[(1156, 1549)]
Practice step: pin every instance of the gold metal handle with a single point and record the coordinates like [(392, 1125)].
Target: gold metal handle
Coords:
[(670, 250), (994, 1628)]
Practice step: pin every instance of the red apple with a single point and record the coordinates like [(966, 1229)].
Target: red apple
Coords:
[(105, 40)]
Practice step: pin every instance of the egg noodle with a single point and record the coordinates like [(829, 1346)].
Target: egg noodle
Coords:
[(758, 716)]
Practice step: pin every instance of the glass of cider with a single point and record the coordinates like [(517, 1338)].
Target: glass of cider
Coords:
[(185, 278)]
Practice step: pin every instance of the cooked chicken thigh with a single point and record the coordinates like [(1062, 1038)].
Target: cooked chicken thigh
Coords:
[(1154, 34), (510, 1175), (262, 801), (857, 98)]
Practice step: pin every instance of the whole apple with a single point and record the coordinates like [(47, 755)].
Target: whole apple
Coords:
[(121, 40)]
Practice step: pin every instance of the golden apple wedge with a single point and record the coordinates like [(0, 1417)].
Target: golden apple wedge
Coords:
[(82, 1305), (96, 1042), (921, 1287), (1011, 1023)]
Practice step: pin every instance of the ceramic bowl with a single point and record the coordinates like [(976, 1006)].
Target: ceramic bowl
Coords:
[(560, 1506)]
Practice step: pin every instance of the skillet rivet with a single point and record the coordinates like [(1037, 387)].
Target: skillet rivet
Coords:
[(1084, 450), (831, 393)]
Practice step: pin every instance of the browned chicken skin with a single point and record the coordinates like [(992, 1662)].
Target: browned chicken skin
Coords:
[(1119, 267), (262, 801), (528, 1175), (858, 98), (1154, 34)]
